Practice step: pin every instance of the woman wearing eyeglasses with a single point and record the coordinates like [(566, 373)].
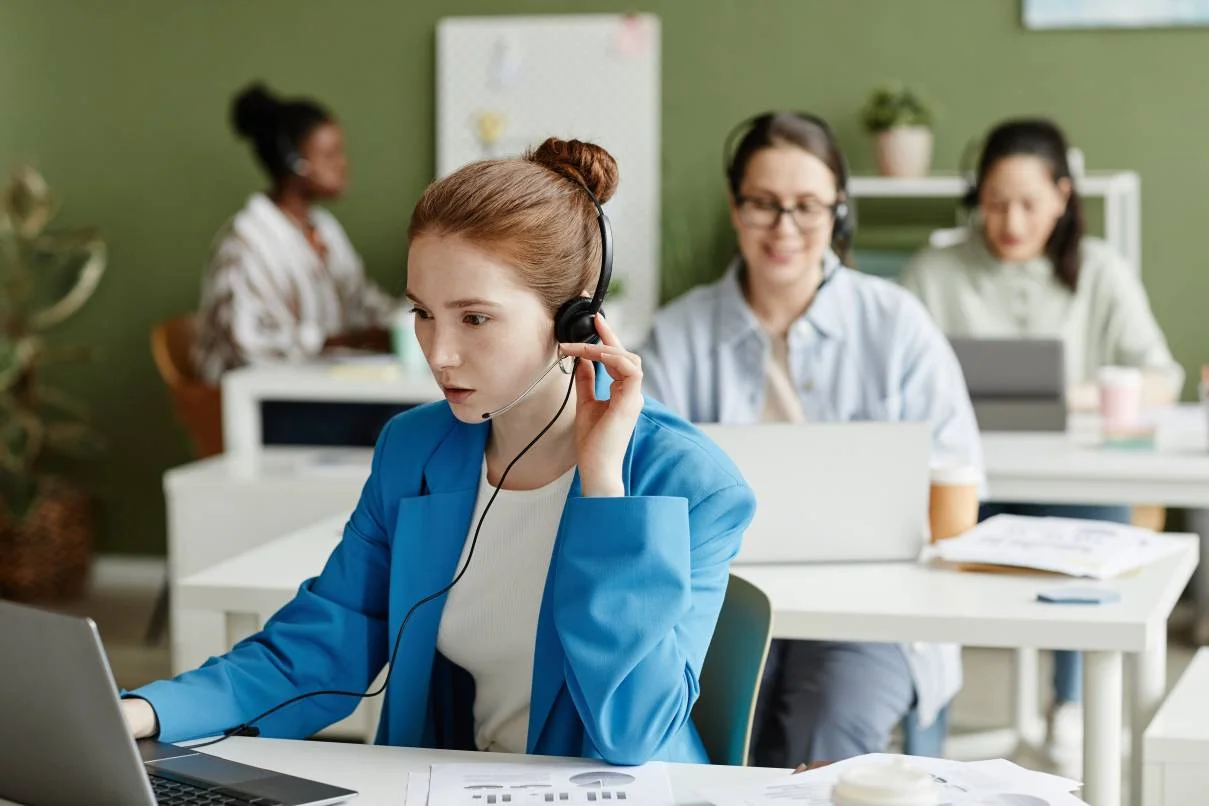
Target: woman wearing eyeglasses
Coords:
[(791, 334)]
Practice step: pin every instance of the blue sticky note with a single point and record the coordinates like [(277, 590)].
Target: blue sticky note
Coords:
[(1076, 595)]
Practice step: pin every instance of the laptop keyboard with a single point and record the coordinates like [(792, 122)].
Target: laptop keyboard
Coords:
[(173, 791)]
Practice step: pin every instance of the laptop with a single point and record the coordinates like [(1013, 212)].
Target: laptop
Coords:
[(832, 492), (1015, 384), (63, 741)]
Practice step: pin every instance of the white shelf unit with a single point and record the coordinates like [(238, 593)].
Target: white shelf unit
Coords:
[(1120, 190)]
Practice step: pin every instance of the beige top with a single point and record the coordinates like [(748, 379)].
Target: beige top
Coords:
[(781, 401), (1106, 321)]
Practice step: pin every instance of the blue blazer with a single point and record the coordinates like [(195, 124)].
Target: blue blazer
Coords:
[(629, 607)]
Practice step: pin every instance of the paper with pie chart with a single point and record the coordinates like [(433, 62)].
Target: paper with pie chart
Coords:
[(555, 783)]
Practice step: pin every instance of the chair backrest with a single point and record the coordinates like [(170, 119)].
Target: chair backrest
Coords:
[(730, 676), (198, 405)]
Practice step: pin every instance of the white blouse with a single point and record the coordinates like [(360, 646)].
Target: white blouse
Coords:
[(269, 296)]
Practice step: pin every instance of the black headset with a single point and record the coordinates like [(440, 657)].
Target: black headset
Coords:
[(967, 169), (293, 160), (575, 320), (845, 215)]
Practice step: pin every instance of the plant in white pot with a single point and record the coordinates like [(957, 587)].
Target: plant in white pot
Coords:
[(902, 123)]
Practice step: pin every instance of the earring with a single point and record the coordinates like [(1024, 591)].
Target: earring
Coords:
[(562, 364)]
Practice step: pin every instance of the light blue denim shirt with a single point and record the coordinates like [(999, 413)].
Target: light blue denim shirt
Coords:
[(866, 349)]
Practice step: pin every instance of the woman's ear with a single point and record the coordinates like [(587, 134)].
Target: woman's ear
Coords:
[(732, 206), (1064, 191)]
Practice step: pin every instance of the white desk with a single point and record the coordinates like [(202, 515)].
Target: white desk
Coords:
[(1063, 468), (216, 511), (900, 602), (910, 602), (1177, 741), (1069, 468), (379, 774)]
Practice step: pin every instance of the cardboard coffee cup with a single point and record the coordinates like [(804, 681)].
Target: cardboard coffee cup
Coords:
[(953, 502)]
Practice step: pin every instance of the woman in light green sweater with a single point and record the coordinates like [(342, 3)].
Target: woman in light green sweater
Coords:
[(1027, 270)]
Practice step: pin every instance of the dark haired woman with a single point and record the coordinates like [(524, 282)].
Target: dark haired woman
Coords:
[(1027, 270), (790, 334), (284, 281)]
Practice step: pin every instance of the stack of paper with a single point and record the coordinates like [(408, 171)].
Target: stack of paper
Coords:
[(360, 364), (1080, 548), (576, 783), (975, 783)]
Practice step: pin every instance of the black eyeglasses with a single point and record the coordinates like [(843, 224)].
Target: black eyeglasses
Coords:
[(766, 213)]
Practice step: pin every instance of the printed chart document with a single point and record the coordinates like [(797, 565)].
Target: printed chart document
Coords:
[(561, 784)]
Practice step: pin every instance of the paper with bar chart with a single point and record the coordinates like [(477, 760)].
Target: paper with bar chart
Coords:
[(556, 783)]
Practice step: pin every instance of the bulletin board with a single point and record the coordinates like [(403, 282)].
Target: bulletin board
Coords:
[(505, 84)]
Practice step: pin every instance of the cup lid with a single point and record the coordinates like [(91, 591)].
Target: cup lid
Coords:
[(956, 474), (881, 784), (1120, 375)]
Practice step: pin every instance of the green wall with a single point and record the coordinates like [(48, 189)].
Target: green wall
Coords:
[(123, 105)]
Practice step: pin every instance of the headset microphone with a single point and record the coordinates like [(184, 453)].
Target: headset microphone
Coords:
[(487, 415)]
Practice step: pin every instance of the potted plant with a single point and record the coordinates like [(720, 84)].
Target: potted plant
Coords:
[(902, 123), (45, 277)]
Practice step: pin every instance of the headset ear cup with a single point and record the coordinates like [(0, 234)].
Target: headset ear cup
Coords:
[(844, 223), (291, 157), (575, 322)]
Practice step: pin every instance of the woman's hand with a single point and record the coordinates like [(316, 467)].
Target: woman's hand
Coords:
[(603, 427), (140, 717)]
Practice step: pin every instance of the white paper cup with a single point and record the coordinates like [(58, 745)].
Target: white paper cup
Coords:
[(1120, 399)]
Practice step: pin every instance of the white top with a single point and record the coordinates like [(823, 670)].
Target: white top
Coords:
[(1106, 321), (489, 623), (269, 296)]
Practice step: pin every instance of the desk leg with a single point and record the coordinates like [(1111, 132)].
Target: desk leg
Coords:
[(1198, 522), (241, 426), (1030, 731), (1149, 687), (240, 626), (1103, 692)]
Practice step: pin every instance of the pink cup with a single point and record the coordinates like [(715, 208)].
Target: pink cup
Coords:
[(1120, 399)]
